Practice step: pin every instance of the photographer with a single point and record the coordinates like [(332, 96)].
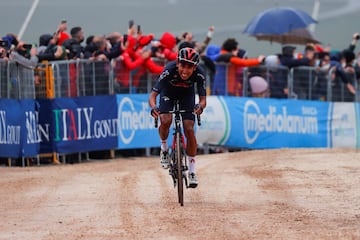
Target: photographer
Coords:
[(7, 43), (4, 50), (24, 54), (73, 45)]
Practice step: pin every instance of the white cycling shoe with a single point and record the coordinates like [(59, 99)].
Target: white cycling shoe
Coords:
[(193, 181), (164, 159)]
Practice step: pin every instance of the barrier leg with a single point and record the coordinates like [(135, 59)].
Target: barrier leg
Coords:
[(55, 158)]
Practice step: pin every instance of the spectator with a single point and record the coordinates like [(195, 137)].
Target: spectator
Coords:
[(127, 63), (277, 77), (90, 47), (213, 52), (61, 33), (44, 41), (28, 56), (187, 37), (259, 87), (232, 71), (4, 50), (115, 50), (340, 65), (73, 45), (287, 57), (167, 47), (301, 79), (49, 50)]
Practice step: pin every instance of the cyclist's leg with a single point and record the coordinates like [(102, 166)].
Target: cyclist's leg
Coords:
[(165, 105), (191, 143), (191, 149), (188, 103), (165, 123)]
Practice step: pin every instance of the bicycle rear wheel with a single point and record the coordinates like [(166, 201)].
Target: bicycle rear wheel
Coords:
[(179, 169)]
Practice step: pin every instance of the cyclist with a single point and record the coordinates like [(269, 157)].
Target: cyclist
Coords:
[(177, 82)]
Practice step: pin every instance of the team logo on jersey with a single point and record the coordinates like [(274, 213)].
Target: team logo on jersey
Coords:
[(164, 74), (165, 98)]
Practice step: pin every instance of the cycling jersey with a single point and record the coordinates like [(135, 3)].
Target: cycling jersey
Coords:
[(170, 86), (171, 82)]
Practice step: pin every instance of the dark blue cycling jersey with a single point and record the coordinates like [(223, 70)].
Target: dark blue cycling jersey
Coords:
[(171, 82), (170, 86)]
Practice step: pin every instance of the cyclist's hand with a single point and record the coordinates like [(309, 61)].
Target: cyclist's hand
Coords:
[(155, 112), (198, 109)]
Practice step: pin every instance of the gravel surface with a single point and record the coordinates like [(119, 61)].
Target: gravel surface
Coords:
[(263, 194)]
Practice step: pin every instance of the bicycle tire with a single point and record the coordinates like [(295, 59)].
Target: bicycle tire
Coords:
[(179, 169)]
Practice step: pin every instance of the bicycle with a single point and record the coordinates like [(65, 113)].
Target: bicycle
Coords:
[(177, 152)]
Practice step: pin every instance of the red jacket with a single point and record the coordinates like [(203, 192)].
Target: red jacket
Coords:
[(128, 67)]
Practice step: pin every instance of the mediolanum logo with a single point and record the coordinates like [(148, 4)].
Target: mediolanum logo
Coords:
[(278, 121), (132, 119)]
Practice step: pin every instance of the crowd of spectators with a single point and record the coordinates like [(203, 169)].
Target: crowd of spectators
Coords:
[(135, 50), (135, 53)]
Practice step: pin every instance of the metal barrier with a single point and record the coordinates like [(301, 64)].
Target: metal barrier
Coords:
[(337, 90), (277, 78), (4, 80), (305, 83), (16, 81), (75, 78)]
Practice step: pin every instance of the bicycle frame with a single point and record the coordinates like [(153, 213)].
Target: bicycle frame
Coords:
[(178, 164)]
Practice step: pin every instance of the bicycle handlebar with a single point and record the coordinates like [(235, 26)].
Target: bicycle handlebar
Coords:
[(181, 111)]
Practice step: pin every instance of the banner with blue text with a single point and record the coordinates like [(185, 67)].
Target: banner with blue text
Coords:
[(18, 128), (123, 121), (136, 126), (265, 123)]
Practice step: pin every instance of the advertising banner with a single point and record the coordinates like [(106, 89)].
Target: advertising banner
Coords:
[(265, 123), (84, 124), (18, 128), (342, 128), (136, 125), (123, 121)]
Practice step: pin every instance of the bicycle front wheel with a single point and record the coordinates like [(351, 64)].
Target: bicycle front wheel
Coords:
[(179, 169)]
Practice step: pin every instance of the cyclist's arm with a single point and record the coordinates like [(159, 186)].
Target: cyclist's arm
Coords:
[(152, 99), (201, 88), (202, 101)]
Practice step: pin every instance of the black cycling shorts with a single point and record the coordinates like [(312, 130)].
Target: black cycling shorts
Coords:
[(187, 103)]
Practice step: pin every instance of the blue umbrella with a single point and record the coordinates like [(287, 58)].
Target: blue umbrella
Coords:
[(278, 20)]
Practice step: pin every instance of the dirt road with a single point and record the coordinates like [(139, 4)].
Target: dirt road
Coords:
[(269, 194)]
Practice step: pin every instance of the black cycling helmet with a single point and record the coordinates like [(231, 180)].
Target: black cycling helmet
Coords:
[(188, 55)]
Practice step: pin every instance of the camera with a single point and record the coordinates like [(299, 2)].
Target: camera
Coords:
[(357, 37), (27, 46), (4, 44), (125, 37)]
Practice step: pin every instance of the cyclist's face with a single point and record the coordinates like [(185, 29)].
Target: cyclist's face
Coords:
[(185, 70)]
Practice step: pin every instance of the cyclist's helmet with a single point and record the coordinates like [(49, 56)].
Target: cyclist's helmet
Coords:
[(188, 55)]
